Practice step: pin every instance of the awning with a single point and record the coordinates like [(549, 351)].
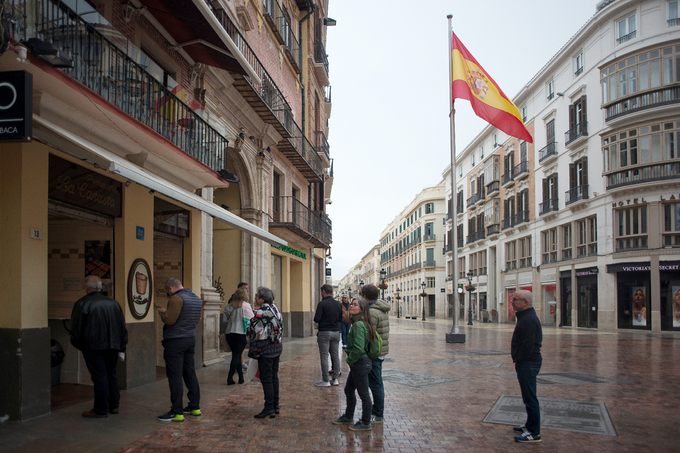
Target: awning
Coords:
[(120, 166), (195, 28)]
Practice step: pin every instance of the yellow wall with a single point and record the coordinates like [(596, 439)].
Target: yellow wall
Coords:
[(192, 253), (227, 244), (23, 261), (137, 211)]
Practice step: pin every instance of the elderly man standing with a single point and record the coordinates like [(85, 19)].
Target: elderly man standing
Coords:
[(525, 349), (98, 330), (328, 317), (179, 340)]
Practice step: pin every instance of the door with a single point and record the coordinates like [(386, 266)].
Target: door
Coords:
[(565, 301), (587, 302)]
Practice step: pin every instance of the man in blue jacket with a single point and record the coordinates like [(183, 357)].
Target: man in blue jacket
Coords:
[(525, 349), (98, 330)]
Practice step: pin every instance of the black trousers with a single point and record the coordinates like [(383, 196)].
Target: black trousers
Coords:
[(269, 377), (102, 367), (237, 343), (179, 365), (358, 380)]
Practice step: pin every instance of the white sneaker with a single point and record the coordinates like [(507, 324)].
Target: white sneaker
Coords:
[(322, 384), (335, 382)]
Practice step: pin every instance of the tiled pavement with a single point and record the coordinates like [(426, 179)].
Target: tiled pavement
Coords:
[(639, 385)]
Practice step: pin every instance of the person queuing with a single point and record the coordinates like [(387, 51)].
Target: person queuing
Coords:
[(344, 301), (237, 312), (179, 342), (381, 321), (360, 332), (265, 331), (98, 330)]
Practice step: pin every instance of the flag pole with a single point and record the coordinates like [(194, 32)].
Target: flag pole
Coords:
[(455, 336)]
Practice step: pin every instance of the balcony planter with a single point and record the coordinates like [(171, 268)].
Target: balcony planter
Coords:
[(423, 294), (382, 286)]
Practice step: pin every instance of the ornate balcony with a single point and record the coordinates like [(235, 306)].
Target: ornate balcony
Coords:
[(493, 188), (289, 213), (545, 154), (642, 101), (578, 193), (572, 135), (650, 173), (321, 63), (508, 179), (520, 170), (493, 229), (550, 205), (520, 217), (280, 25)]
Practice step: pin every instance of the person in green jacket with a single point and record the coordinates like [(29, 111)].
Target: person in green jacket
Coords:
[(360, 332)]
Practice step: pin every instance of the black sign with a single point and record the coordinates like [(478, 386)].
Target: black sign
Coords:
[(81, 187), (16, 105), (328, 272), (587, 271)]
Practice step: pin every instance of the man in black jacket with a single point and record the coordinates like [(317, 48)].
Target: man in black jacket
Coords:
[(98, 330), (525, 349), (328, 317)]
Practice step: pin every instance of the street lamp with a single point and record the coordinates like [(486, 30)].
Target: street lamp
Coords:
[(361, 284), (383, 273), (469, 277), (398, 303), (422, 285)]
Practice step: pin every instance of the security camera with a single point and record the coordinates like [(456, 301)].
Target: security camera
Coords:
[(329, 201)]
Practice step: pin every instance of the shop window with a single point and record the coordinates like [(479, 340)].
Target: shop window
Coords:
[(566, 242), (549, 244), (671, 224), (631, 228), (670, 297), (633, 292), (170, 219), (524, 252)]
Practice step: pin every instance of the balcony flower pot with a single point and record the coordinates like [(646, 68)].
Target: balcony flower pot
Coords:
[(423, 294), (382, 286), (470, 288)]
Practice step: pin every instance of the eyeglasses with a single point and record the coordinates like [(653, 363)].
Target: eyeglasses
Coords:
[(514, 299)]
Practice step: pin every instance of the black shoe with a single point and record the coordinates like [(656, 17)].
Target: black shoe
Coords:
[(519, 429), (266, 413), (230, 382), (93, 414), (240, 380), (113, 411)]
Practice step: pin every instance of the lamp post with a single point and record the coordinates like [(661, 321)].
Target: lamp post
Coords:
[(422, 285), (361, 283), (398, 297), (469, 277), (383, 273)]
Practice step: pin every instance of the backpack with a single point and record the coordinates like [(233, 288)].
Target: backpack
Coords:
[(375, 347)]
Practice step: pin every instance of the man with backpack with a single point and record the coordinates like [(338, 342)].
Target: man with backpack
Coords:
[(378, 310)]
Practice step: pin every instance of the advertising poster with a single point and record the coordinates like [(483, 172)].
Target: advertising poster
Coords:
[(675, 297), (639, 297), (98, 259)]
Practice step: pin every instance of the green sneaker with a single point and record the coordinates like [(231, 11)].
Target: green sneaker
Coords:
[(171, 417), (194, 412)]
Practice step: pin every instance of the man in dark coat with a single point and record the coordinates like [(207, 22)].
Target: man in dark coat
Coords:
[(328, 317), (525, 349), (98, 330)]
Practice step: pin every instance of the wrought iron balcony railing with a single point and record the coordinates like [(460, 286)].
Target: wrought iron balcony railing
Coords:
[(520, 217), (576, 194), (290, 213), (642, 101), (520, 169), (493, 229), (320, 55), (550, 205), (507, 178), (650, 173), (580, 130), (280, 23), (322, 144), (429, 237), (548, 151), (507, 223), (492, 188), (627, 37)]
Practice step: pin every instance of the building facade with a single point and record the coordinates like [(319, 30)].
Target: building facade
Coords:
[(588, 216), (157, 140)]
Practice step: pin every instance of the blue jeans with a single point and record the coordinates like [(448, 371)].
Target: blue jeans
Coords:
[(179, 365), (358, 380), (526, 375), (345, 328), (375, 382)]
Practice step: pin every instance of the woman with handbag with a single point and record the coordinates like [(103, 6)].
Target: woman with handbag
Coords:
[(264, 332), (238, 312), (358, 337)]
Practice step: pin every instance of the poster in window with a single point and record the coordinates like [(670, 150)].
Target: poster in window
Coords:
[(675, 291), (639, 306), (98, 259)]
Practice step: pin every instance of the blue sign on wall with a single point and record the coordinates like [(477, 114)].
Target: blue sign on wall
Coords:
[(140, 233)]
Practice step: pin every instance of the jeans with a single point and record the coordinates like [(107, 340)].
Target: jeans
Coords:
[(102, 368), (269, 377), (179, 364), (344, 328), (329, 342), (358, 380), (526, 375), (237, 343), (375, 383)]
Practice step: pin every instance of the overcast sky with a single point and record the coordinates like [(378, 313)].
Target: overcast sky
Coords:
[(389, 126)]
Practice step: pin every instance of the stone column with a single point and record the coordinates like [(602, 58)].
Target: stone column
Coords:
[(211, 299)]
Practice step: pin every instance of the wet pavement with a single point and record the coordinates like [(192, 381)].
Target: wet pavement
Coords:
[(598, 391)]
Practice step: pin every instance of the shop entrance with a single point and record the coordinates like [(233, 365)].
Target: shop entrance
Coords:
[(587, 301), (565, 301)]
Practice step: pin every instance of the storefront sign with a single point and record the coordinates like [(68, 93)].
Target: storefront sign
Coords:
[(81, 187), (585, 272), (139, 288), (642, 266), (291, 250), (628, 202), (16, 105), (672, 197)]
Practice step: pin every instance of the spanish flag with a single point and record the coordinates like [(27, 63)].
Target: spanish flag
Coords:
[(471, 82)]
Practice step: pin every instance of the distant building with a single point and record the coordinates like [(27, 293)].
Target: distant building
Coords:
[(588, 216)]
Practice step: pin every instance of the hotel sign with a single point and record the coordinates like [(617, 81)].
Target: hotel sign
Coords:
[(16, 106)]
